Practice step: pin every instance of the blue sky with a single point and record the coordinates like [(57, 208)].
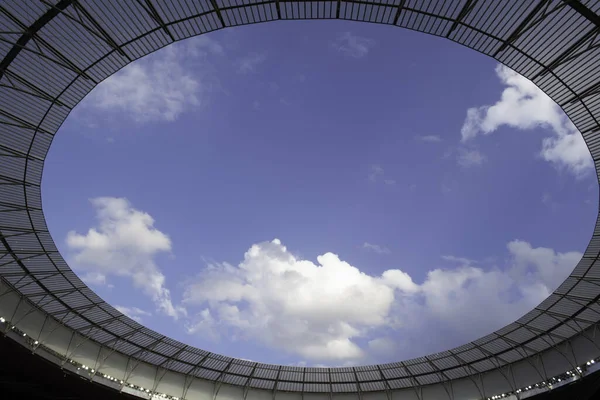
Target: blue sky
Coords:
[(421, 195)]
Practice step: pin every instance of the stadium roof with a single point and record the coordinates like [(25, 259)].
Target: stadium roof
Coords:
[(54, 52)]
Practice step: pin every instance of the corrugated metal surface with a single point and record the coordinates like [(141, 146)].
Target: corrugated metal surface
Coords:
[(53, 53)]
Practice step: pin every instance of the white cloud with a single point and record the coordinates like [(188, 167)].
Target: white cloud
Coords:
[(541, 264), (202, 46), (430, 138), (323, 311), (134, 313), (459, 260), (524, 106), (381, 346), (159, 87), (375, 248), (125, 243), (352, 45), (569, 151), (469, 157), (94, 278), (250, 63)]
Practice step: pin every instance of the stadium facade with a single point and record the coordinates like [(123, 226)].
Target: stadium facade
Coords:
[(54, 52)]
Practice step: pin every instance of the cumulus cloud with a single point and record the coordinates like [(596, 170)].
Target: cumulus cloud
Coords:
[(159, 87), (124, 244), (331, 311), (134, 313), (250, 63), (523, 106), (352, 45), (375, 248)]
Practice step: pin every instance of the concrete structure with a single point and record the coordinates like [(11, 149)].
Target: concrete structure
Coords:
[(53, 52)]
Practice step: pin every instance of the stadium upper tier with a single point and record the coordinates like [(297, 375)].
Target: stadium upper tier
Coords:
[(54, 52)]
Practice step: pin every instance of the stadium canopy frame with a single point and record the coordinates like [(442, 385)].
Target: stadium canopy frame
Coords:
[(54, 52)]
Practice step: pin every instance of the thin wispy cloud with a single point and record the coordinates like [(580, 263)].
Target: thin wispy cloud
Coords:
[(458, 260), (446, 188), (429, 138), (201, 46), (250, 63), (469, 157), (375, 248), (353, 45), (160, 87), (377, 174), (524, 106), (549, 202), (134, 313)]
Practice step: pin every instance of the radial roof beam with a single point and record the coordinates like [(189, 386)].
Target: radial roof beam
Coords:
[(29, 32), (584, 10), (575, 50), (13, 77), (100, 31), (464, 12), (399, 11), (528, 22), (590, 91), (151, 10), (218, 11)]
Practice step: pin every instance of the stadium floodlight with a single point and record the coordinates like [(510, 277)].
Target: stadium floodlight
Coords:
[(2, 320)]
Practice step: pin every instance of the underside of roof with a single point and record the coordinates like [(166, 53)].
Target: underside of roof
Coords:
[(53, 53)]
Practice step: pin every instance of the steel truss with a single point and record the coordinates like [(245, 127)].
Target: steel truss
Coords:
[(53, 52)]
